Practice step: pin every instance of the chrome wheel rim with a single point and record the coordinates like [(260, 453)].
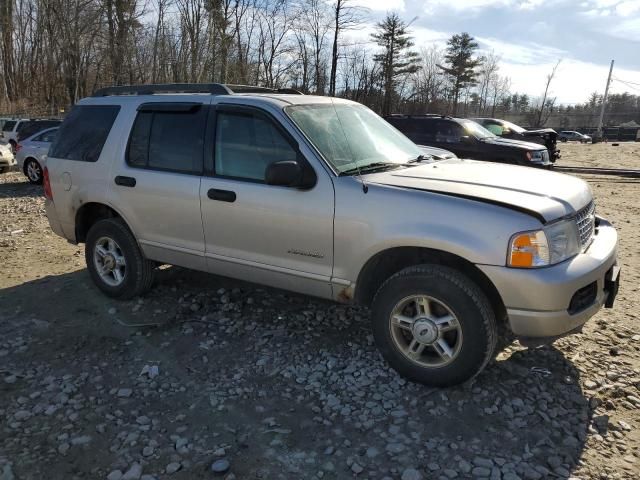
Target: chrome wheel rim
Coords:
[(33, 171), (109, 261), (426, 331)]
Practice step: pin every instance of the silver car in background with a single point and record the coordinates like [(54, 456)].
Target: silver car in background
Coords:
[(31, 154)]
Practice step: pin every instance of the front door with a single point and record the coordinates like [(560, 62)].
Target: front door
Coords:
[(279, 236)]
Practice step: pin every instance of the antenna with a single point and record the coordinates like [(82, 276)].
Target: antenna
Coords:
[(365, 187)]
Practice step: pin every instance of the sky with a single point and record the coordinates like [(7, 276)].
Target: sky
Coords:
[(530, 36)]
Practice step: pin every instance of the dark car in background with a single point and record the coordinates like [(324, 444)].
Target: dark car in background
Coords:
[(505, 129), (31, 127), (468, 139), (573, 136)]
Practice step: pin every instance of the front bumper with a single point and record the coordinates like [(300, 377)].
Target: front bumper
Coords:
[(542, 302), (6, 162)]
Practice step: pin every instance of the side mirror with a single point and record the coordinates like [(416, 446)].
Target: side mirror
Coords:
[(286, 173)]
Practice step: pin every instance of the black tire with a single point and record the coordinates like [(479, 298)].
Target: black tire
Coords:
[(4, 169), (465, 300), (138, 276), (37, 180), (563, 140)]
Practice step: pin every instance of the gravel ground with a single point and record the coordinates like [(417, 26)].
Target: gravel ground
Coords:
[(211, 378)]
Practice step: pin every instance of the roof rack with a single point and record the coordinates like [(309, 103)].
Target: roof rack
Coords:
[(210, 88), (418, 115)]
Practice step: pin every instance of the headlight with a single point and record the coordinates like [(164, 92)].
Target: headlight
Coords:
[(540, 248), (537, 156)]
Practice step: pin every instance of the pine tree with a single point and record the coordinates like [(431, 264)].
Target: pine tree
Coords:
[(461, 64), (396, 59)]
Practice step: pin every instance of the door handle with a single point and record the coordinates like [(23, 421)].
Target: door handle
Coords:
[(221, 195), (125, 181)]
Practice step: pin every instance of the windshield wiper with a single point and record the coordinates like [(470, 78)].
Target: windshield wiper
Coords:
[(371, 167), (420, 158)]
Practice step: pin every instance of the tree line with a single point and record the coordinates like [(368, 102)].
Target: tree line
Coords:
[(54, 52)]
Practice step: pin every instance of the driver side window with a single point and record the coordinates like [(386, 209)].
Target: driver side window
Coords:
[(246, 143)]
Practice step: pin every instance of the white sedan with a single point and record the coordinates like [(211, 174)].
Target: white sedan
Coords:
[(31, 154), (7, 159)]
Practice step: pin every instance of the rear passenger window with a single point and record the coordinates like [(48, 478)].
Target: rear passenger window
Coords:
[(246, 143), (8, 126), (168, 140), (83, 133)]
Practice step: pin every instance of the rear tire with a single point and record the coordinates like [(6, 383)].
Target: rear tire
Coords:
[(444, 337), (33, 171), (115, 262)]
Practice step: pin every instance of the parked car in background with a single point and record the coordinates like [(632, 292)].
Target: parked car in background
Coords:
[(437, 153), (7, 159), (31, 154), (468, 139), (573, 136), (30, 128), (505, 129), (321, 196), (10, 130)]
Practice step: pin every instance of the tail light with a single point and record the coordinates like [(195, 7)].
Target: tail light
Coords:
[(17, 147), (47, 184)]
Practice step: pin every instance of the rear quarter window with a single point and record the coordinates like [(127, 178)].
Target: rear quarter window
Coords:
[(83, 133), (8, 126)]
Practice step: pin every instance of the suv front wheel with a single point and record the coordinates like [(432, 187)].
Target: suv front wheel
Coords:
[(434, 325), (115, 262)]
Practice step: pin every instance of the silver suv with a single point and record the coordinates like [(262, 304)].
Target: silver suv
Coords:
[(321, 196)]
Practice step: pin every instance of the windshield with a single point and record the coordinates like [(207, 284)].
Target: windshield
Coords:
[(351, 136), (513, 126), (475, 129)]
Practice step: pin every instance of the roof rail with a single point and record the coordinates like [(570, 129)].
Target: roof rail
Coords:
[(210, 88)]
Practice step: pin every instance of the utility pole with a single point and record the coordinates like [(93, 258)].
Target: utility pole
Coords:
[(604, 101)]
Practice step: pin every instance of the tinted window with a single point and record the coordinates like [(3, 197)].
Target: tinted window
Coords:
[(83, 133), (8, 126), (246, 144), (31, 128), (447, 132), (168, 140)]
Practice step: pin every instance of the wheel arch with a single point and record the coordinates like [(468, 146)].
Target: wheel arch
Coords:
[(388, 262), (90, 213)]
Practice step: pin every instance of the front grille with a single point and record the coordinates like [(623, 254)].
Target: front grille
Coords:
[(586, 220)]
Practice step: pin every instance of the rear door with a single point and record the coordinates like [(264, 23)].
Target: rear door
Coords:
[(268, 234), (156, 186)]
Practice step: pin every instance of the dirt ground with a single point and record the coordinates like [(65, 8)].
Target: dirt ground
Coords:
[(207, 372)]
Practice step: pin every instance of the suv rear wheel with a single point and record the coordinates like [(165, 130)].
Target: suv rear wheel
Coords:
[(115, 262), (434, 325)]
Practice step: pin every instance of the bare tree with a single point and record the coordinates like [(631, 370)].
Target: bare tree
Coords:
[(345, 17), (543, 103)]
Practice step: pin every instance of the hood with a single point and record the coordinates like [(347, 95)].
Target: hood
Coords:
[(540, 193), (438, 153), (539, 131), (511, 143)]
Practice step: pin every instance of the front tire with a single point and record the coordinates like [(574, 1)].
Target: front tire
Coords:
[(115, 262), (33, 171), (434, 325)]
